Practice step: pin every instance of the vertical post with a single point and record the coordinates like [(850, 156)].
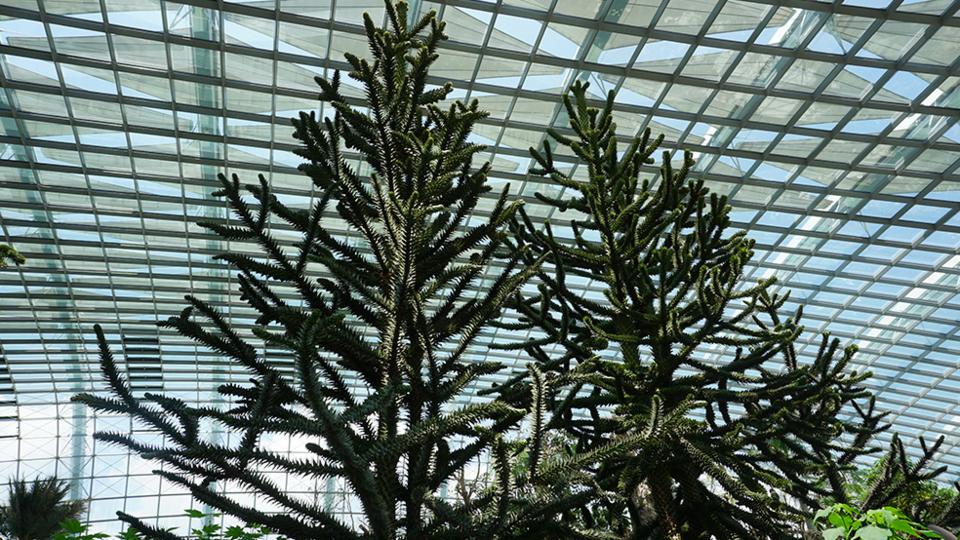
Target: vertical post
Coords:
[(205, 24), (328, 495)]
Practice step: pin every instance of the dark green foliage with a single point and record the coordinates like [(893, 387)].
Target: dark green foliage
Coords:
[(34, 510), (906, 484), (71, 529), (10, 253), (382, 412), (733, 446)]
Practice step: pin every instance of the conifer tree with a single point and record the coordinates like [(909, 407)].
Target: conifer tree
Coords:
[(381, 413), (742, 437)]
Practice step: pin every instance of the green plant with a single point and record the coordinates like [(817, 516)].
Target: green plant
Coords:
[(34, 510), (10, 253), (213, 531), (893, 481), (129, 534), (730, 428), (380, 322), (844, 522), (72, 529)]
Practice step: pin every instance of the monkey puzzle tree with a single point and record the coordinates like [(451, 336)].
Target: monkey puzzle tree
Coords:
[(670, 342), (381, 412)]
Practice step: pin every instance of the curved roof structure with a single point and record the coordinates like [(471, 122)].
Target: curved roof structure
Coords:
[(832, 126)]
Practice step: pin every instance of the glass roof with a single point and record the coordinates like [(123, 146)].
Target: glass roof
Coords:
[(831, 126)]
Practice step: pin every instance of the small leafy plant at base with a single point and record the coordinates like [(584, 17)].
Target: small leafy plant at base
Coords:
[(72, 529), (844, 522), (129, 534), (213, 531)]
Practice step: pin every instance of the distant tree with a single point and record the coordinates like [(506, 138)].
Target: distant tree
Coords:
[(34, 510), (672, 345)]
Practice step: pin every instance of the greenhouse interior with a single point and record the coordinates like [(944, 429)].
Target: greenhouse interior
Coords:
[(525, 269)]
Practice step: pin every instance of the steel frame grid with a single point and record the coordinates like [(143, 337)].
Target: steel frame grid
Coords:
[(910, 330)]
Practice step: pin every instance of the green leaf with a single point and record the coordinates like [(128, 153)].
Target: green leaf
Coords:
[(883, 516), (73, 526), (839, 520), (902, 525), (843, 507), (895, 511), (835, 533), (872, 532), (193, 513), (821, 514)]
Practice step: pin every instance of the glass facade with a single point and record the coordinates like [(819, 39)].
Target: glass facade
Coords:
[(832, 127)]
